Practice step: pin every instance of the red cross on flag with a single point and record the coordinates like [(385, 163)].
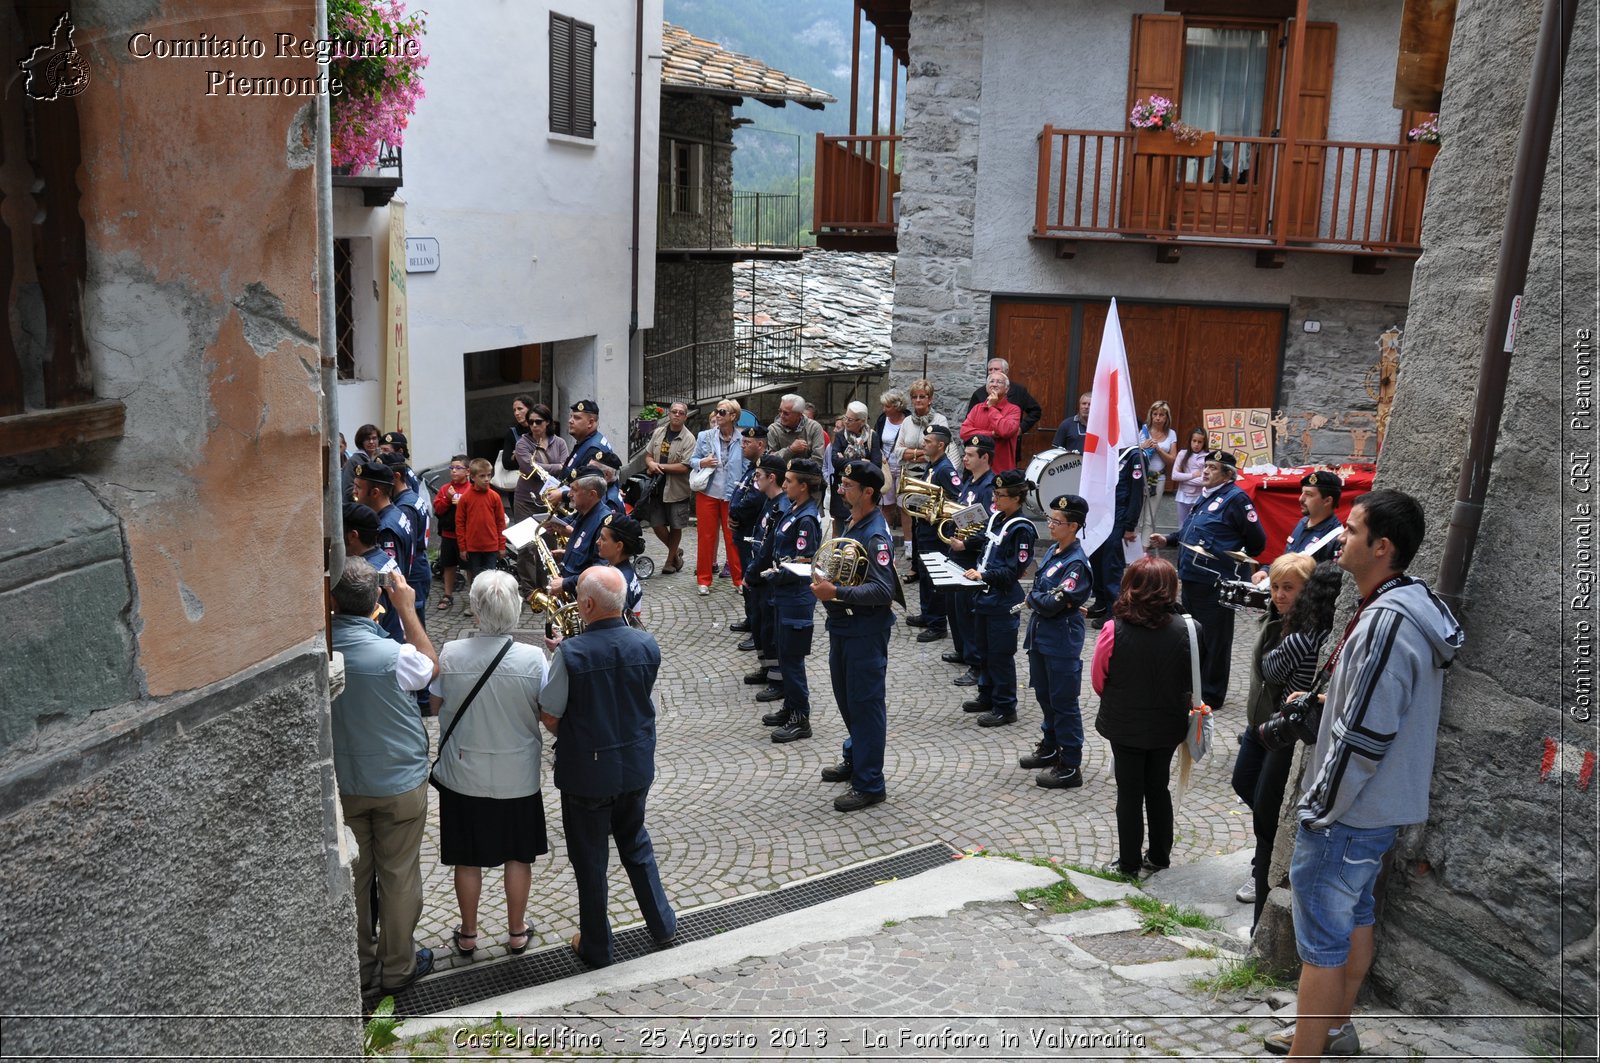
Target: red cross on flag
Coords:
[(1112, 429)]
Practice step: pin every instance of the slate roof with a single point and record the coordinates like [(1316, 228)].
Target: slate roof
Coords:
[(697, 65), (843, 300)]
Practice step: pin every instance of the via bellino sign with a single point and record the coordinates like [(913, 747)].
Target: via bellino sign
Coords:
[(422, 254)]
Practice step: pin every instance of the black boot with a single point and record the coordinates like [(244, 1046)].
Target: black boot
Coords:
[(798, 727), (1043, 756)]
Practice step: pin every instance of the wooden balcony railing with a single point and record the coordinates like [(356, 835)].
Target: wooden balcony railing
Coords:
[(1337, 196), (856, 182)]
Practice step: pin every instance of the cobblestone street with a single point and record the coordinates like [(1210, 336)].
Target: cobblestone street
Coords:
[(733, 814)]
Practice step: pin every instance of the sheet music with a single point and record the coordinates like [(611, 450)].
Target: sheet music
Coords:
[(799, 568), (524, 531), (946, 574)]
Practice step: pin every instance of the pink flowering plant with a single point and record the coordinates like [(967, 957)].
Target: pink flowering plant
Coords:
[(1427, 132), (1156, 112), (379, 59)]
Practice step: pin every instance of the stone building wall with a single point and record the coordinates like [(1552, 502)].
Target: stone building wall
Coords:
[(1325, 413), (694, 303), (938, 316), (705, 219)]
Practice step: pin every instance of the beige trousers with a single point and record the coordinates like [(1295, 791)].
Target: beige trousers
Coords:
[(388, 834)]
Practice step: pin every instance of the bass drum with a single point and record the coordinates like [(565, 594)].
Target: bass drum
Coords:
[(1053, 473)]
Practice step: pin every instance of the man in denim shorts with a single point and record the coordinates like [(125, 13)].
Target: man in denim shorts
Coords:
[(1370, 772)]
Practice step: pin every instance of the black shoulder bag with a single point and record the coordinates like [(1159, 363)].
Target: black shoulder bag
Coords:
[(433, 773)]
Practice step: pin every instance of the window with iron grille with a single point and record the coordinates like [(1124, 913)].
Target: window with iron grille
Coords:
[(571, 76), (344, 311)]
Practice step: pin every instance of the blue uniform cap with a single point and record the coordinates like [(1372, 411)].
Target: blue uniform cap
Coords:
[(396, 440), (938, 431), (864, 473), (1012, 482), (773, 464), (1074, 507), (586, 406), (376, 471)]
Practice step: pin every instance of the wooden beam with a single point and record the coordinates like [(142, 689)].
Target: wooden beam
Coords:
[(1271, 259), (1066, 248), (29, 433), (1425, 29), (1167, 254), (1289, 125), (1370, 265)]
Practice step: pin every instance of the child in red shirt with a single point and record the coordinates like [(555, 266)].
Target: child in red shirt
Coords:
[(444, 504), (480, 518)]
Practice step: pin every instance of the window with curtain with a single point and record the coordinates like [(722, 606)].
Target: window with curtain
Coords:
[(1225, 75)]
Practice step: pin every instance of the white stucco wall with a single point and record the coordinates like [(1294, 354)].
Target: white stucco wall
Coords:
[(534, 229), (1065, 62)]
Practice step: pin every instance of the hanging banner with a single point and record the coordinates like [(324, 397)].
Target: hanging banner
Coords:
[(396, 399)]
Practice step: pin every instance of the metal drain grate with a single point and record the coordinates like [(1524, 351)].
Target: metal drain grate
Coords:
[(1130, 946), (465, 986)]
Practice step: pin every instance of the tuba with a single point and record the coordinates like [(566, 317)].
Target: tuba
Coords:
[(925, 501), (841, 561)]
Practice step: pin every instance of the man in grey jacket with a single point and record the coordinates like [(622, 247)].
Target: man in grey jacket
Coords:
[(793, 434), (1370, 772)]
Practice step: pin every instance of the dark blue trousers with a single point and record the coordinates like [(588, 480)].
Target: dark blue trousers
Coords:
[(932, 602), (963, 627), (792, 637), (590, 823), (1057, 683), (1216, 639), (1107, 564), (858, 662), (741, 542), (997, 649)]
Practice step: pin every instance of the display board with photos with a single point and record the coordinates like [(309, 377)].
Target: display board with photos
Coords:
[(1246, 431)]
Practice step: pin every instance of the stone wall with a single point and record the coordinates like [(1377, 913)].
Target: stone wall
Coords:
[(694, 304), (938, 316), (704, 219), (1325, 413)]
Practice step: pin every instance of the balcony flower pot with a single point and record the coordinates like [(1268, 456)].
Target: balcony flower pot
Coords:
[(1426, 153), (1162, 142)]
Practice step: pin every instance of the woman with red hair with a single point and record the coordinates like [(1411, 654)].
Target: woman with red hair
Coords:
[(1141, 672)]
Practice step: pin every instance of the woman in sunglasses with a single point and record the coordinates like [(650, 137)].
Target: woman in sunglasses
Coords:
[(533, 445), (718, 449)]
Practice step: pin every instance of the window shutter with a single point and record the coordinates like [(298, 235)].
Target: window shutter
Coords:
[(560, 73), (1156, 64), (1303, 212), (582, 79)]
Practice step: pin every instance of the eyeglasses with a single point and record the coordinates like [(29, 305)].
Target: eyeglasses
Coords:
[(458, 468), (1058, 521), (537, 420), (724, 413)]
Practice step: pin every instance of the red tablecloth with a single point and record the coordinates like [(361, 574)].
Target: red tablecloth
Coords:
[(1277, 500)]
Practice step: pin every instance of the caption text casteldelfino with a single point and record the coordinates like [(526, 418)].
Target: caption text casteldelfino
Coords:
[(323, 50)]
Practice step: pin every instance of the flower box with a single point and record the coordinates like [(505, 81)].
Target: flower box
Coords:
[(1162, 142), (1426, 153)]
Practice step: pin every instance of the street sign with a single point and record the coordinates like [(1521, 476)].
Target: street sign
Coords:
[(422, 254)]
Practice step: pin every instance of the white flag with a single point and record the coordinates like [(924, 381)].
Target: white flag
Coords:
[(1112, 429)]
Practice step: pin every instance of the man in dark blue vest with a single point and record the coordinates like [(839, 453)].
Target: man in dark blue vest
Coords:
[(758, 592), (1223, 522), (745, 503), (597, 702), (977, 489)]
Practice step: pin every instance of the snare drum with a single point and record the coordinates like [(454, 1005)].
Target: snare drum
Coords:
[(1053, 473)]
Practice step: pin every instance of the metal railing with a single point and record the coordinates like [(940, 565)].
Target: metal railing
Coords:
[(1337, 195), (754, 359), (696, 217)]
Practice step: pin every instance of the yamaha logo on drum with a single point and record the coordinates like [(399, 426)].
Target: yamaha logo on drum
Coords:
[(1053, 473)]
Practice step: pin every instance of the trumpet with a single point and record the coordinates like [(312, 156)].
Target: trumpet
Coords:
[(841, 561), (925, 501)]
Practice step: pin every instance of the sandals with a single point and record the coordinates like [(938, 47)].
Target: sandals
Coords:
[(524, 934), (444, 603), (457, 936)]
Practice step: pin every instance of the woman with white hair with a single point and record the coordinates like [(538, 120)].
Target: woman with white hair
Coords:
[(491, 813), (854, 440)]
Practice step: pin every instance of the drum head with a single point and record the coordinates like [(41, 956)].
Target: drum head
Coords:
[(1053, 473)]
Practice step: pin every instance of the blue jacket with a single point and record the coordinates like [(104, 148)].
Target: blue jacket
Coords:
[(761, 539), (397, 537), (708, 444), (606, 742), (980, 492), (580, 545), (1303, 537), (1008, 544), (945, 476), (581, 455), (420, 572), (867, 604), (1225, 521), (795, 537), (745, 502), (1130, 491), (1060, 587), (380, 748)]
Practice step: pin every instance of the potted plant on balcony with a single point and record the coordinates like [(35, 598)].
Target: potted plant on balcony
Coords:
[(1160, 133), (1427, 139), (379, 61), (644, 422)]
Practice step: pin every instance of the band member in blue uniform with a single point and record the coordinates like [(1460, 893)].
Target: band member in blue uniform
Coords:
[(1223, 520), (976, 489), (796, 538), (859, 620), (607, 464), (1109, 560), (1007, 549), (941, 472), (583, 425), (579, 554), (1319, 530), (769, 481), (374, 487), (420, 572), (745, 502), (1054, 643), (619, 541)]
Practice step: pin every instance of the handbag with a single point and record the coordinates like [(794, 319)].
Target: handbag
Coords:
[(700, 479), (504, 479), (433, 772), (1198, 732)]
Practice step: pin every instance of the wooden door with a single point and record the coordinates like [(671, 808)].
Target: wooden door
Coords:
[(1155, 67), (1302, 211), (1231, 358), (1035, 339)]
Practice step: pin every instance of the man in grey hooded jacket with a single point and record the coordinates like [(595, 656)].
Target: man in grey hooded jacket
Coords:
[(1371, 769)]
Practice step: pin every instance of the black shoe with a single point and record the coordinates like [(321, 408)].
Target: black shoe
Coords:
[(976, 705), (772, 693), (995, 719), (1150, 865), (1043, 756), (856, 800), (747, 644), (1059, 778), (739, 625), (797, 728), (968, 679), (933, 634), (952, 657), (839, 772), (1096, 610), (756, 678), (917, 621), (1099, 622), (776, 719), (423, 968)]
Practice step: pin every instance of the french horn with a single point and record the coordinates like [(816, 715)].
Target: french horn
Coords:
[(841, 561)]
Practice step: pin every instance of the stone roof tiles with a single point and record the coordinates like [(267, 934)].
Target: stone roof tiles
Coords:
[(696, 64)]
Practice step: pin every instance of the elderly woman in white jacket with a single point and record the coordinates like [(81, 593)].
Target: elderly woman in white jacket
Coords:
[(908, 454), (491, 812)]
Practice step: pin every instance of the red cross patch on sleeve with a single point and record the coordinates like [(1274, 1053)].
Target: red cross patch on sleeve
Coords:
[(1250, 514), (1071, 584), (800, 541), (883, 556), (1022, 554)]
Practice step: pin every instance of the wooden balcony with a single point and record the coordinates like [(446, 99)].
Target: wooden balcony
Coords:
[(1332, 197), (857, 178)]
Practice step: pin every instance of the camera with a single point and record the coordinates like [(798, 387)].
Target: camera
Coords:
[(1297, 721)]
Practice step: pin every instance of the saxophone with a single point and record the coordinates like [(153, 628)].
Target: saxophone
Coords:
[(561, 609)]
